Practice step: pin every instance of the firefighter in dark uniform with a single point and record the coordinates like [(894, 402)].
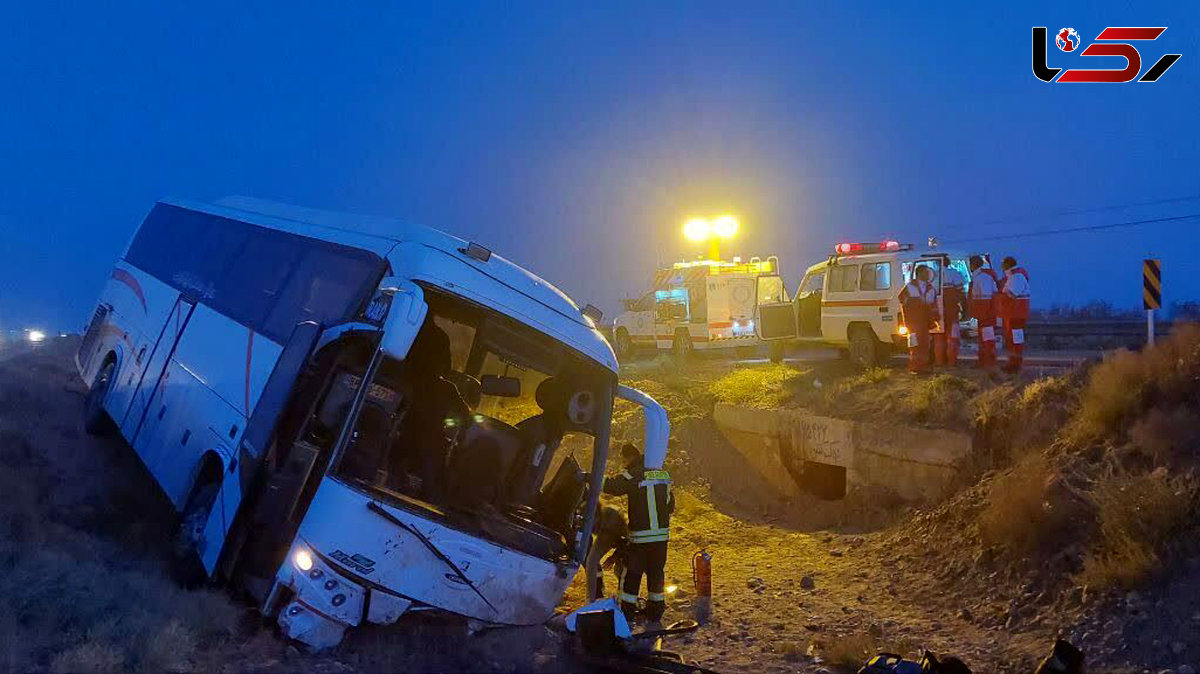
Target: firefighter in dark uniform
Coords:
[(650, 506)]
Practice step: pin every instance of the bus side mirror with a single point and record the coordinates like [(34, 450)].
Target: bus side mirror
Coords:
[(405, 316)]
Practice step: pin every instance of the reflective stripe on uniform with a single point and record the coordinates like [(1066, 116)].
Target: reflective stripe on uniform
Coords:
[(988, 333), (656, 596), (649, 535), (627, 598), (1018, 336), (625, 474), (652, 507), (913, 340), (656, 475)]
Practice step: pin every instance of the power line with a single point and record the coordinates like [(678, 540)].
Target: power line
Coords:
[(1069, 230), (1080, 211)]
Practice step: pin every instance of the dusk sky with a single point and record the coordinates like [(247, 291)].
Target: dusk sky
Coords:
[(575, 139)]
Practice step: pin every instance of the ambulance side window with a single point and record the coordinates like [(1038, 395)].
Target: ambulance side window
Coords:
[(876, 276), (815, 283), (843, 278)]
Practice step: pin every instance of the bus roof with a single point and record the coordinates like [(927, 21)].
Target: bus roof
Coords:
[(497, 282)]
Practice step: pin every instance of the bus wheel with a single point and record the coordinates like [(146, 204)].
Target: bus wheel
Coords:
[(681, 347), (189, 539), (622, 344), (864, 348), (95, 419)]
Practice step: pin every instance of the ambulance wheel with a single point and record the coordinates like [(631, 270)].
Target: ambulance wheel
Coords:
[(622, 344), (95, 419), (864, 348), (681, 346)]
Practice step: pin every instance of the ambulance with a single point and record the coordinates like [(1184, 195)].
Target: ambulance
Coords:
[(851, 300), (700, 305)]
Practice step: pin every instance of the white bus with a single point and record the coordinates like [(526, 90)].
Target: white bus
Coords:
[(353, 424)]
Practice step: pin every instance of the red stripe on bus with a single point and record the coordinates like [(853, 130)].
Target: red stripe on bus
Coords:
[(122, 276), (726, 324)]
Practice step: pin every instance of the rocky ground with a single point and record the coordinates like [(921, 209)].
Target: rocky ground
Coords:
[(802, 586)]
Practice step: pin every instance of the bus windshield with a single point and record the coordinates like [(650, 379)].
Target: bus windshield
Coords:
[(484, 419)]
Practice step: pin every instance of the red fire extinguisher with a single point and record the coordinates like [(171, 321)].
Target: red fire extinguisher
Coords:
[(702, 578)]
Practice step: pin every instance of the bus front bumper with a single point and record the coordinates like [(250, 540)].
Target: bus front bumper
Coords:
[(323, 603)]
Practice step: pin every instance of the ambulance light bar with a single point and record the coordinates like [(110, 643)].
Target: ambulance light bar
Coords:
[(872, 247)]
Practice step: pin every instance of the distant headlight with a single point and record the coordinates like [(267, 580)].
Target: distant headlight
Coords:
[(35, 335), (303, 559)]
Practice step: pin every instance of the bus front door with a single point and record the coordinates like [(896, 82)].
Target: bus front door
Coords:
[(156, 367)]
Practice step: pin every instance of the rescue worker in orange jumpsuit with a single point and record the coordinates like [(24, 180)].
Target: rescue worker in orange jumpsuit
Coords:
[(1014, 309), (918, 300), (984, 288), (946, 342)]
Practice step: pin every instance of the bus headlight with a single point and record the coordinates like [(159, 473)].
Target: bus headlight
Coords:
[(303, 559)]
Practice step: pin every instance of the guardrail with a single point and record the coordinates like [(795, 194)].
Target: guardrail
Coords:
[(1056, 334), (1103, 328)]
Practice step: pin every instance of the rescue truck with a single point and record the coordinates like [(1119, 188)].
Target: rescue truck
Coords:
[(851, 300), (356, 417), (700, 305)]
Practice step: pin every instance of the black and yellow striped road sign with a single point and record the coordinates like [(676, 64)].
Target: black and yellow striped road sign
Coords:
[(1152, 284)]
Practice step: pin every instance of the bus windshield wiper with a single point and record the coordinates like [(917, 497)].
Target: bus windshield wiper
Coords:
[(382, 512)]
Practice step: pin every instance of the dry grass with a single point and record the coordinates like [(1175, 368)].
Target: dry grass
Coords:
[(762, 386), (1137, 516), (1013, 421), (849, 652), (868, 377), (1018, 516), (85, 582), (938, 399), (682, 390), (1168, 437), (1127, 383)]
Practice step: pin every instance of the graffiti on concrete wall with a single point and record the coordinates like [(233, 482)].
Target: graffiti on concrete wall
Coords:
[(823, 440)]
